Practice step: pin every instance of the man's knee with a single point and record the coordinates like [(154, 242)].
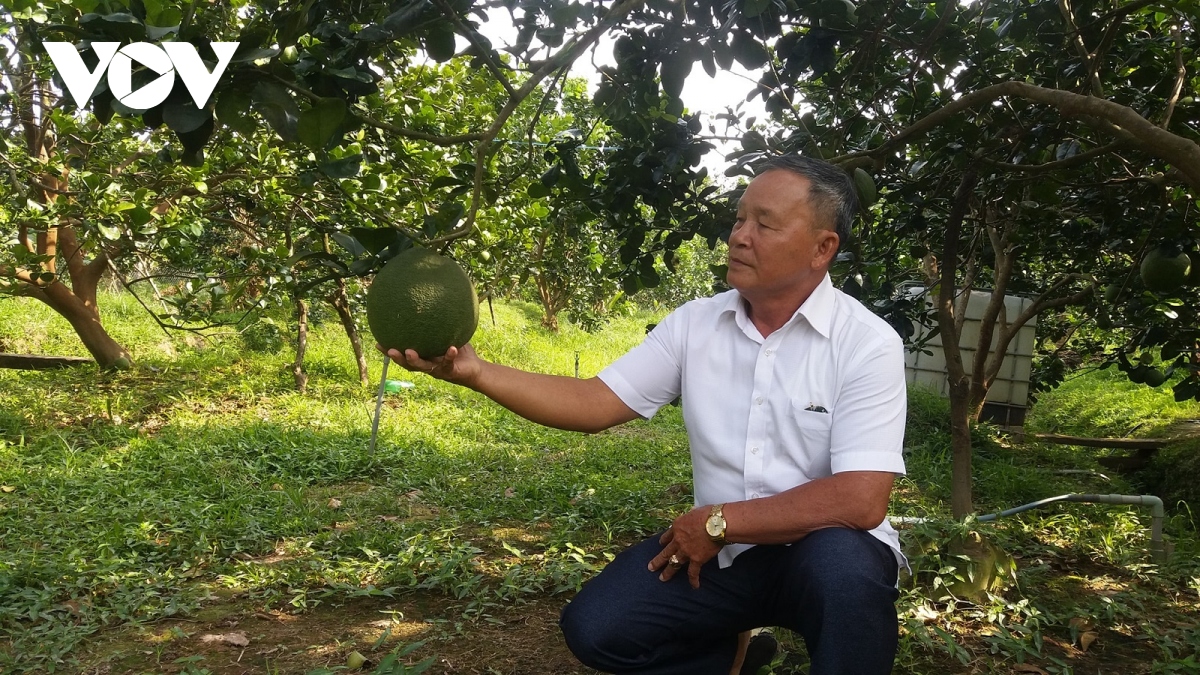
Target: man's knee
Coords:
[(591, 635), (840, 565)]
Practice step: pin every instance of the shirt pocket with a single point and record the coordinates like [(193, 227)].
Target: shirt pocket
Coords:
[(808, 434), (813, 427)]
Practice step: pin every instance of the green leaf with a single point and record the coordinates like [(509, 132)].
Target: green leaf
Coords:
[(169, 17), (376, 239), (349, 243), (108, 231), (119, 25), (184, 117), (753, 141), (139, 216), (277, 107), (748, 51), (404, 20), (751, 8), (255, 54), (353, 74), (347, 167), (444, 182), (233, 110), (318, 124)]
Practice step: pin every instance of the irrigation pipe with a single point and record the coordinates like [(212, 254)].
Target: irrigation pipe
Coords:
[(1158, 549)]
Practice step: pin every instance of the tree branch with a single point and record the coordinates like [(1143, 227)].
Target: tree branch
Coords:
[(563, 59), (1180, 76), (1181, 152), (240, 226), (1076, 39), (473, 36), (946, 318), (444, 141), (1073, 160)]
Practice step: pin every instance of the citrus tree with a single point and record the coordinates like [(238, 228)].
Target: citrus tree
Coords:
[(1042, 148)]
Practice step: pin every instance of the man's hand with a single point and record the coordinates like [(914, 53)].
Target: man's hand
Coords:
[(688, 542), (460, 365)]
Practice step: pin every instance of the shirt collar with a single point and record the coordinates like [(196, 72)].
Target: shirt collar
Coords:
[(817, 310)]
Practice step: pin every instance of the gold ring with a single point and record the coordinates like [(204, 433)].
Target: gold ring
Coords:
[(675, 561)]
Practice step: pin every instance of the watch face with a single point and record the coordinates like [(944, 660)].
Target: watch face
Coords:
[(713, 525)]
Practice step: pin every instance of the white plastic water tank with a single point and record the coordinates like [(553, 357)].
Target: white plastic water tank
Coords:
[(1011, 386)]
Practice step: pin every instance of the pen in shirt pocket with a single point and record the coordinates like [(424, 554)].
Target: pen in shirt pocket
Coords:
[(816, 408)]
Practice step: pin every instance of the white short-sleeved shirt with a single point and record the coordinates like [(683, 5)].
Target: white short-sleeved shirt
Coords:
[(823, 394)]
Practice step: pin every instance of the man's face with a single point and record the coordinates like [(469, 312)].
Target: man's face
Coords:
[(778, 248)]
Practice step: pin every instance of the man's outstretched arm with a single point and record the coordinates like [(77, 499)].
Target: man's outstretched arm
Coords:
[(551, 400)]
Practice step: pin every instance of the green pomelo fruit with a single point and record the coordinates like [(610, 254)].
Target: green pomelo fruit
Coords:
[(865, 187), (1111, 292), (1155, 377), (422, 301), (1164, 271)]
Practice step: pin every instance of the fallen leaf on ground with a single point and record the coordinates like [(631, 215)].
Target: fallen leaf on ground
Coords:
[(413, 495), (926, 614), (389, 519), (1080, 623), (509, 493), (1028, 668), (334, 503), (237, 639), (1086, 639), (7, 488)]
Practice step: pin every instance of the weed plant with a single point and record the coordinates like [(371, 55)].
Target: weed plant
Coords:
[(202, 474)]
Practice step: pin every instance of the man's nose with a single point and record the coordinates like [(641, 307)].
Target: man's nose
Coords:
[(737, 238)]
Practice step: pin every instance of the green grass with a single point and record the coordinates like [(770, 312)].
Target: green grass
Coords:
[(1106, 403), (148, 494)]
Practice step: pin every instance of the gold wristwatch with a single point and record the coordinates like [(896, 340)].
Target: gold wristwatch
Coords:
[(715, 525)]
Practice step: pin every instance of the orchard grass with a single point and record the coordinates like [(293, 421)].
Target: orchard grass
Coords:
[(200, 494)]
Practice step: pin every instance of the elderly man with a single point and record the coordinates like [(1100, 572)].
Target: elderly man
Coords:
[(794, 401)]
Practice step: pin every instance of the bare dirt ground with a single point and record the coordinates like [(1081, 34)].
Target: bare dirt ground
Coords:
[(234, 638)]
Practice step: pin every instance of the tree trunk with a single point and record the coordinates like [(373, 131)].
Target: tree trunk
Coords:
[(85, 319), (301, 345), (956, 373), (341, 304), (77, 302), (552, 303), (960, 454)]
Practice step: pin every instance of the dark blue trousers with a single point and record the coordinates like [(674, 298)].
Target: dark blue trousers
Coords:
[(836, 588)]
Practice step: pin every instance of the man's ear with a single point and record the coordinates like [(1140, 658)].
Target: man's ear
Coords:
[(827, 248)]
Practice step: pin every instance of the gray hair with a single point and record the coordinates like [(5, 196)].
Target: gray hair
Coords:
[(830, 190)]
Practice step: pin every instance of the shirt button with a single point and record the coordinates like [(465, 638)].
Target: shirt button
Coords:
[(770, 352), (754, 495), (758, 400), (754, 451)]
